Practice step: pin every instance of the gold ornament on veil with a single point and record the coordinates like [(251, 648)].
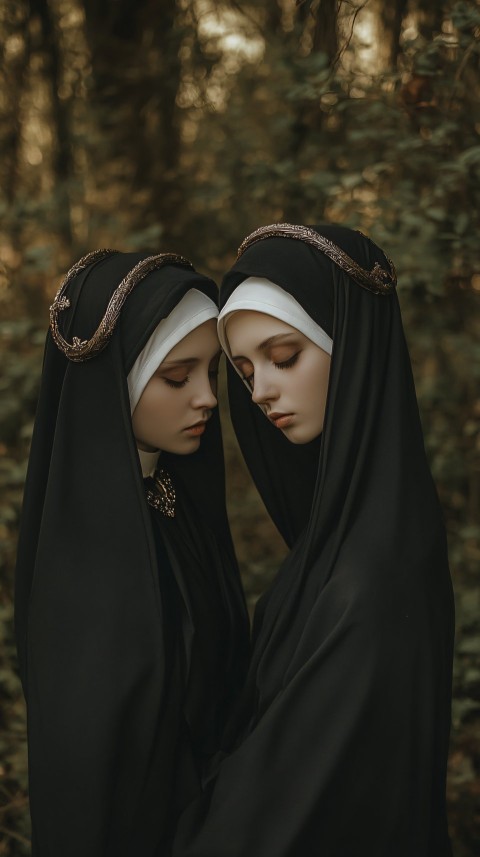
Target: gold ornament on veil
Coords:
[(83, 349), (378, 280)]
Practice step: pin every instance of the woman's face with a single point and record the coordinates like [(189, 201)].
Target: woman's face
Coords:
[(286, 371), (177, 402)]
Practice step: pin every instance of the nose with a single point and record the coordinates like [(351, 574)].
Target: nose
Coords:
[(203, 396), (264, 390)]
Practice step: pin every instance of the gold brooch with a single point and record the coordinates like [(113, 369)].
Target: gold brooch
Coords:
[(161, 495)]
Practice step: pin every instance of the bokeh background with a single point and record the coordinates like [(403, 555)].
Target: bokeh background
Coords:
[(178, 125)]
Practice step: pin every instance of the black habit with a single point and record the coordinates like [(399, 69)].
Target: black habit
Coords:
[(339, 746), (131, 626)]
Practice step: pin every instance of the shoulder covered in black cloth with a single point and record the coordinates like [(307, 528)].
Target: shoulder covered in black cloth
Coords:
[(340, 742), (107, 724)]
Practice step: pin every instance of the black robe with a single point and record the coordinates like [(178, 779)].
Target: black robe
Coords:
[(118, 656), (339, 745)]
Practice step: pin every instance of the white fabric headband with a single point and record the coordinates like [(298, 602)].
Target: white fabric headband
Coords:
[(193, 310), (261, 295)]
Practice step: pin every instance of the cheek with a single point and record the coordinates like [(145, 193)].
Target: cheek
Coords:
[(213, 381), (323, 375), (314, 386), (155, 404)]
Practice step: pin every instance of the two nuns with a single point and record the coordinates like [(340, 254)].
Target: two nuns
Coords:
[(149, 732)]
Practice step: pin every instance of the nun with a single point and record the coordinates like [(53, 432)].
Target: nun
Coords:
[(130, 619), (338, 745)]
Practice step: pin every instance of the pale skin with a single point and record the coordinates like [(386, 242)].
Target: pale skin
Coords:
[(286, 372), (178, 400)]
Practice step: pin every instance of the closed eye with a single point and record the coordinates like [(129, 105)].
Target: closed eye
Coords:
[(286, 364), (176, 384)]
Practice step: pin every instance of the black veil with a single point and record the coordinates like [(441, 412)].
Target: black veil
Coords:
[(339, 746), (89, 585)]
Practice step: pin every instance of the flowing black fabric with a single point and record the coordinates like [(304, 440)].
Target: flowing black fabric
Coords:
[(339, 746), (101, 591)]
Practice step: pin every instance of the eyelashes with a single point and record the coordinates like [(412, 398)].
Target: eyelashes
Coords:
[(286, 364), (177, 385), (283, 364)]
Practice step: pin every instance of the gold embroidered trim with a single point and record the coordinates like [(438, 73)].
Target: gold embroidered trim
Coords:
[(378, 281), (162, 495), (83, 349)]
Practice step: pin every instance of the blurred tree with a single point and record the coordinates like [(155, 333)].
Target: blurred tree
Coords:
[(430, 15), (185, 124), (44, 42), (136, 74), (15, 55), (325, 32), (392, 16)]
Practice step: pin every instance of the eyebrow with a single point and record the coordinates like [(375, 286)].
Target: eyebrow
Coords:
[(187, 361), (272, 340)]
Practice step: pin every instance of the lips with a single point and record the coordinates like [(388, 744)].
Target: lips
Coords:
[(197, 428), (280, 420)]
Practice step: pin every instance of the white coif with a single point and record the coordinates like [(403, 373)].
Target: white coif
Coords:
[(193, 310), (261, 295)]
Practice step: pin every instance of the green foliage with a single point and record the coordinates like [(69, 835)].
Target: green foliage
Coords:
[(186, 134), (20, 365)]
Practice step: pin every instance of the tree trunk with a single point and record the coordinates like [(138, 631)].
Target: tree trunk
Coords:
[(13, 69), (273, 23), (62, 160), (325, 35), (430, 15), (136, 76), (392, 16), (309, 120)]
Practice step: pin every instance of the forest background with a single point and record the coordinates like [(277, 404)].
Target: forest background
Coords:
[(177, 125)]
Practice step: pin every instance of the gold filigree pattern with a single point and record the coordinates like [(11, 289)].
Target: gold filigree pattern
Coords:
[(83, 349), (378, 281), (161, 492)]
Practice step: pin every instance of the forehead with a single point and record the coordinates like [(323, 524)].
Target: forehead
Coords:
[(247, 328), (200, 341)]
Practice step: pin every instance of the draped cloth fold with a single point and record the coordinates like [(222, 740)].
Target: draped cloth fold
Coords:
[(339, 743), (111, 719)]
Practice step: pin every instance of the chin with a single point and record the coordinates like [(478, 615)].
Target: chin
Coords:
[(188, 447), (300, 436)]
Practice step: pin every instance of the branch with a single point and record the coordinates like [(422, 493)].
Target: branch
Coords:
[(345, 47), (18, 836), (14, 804), (248, 16), (464, 61), (460, 70)]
